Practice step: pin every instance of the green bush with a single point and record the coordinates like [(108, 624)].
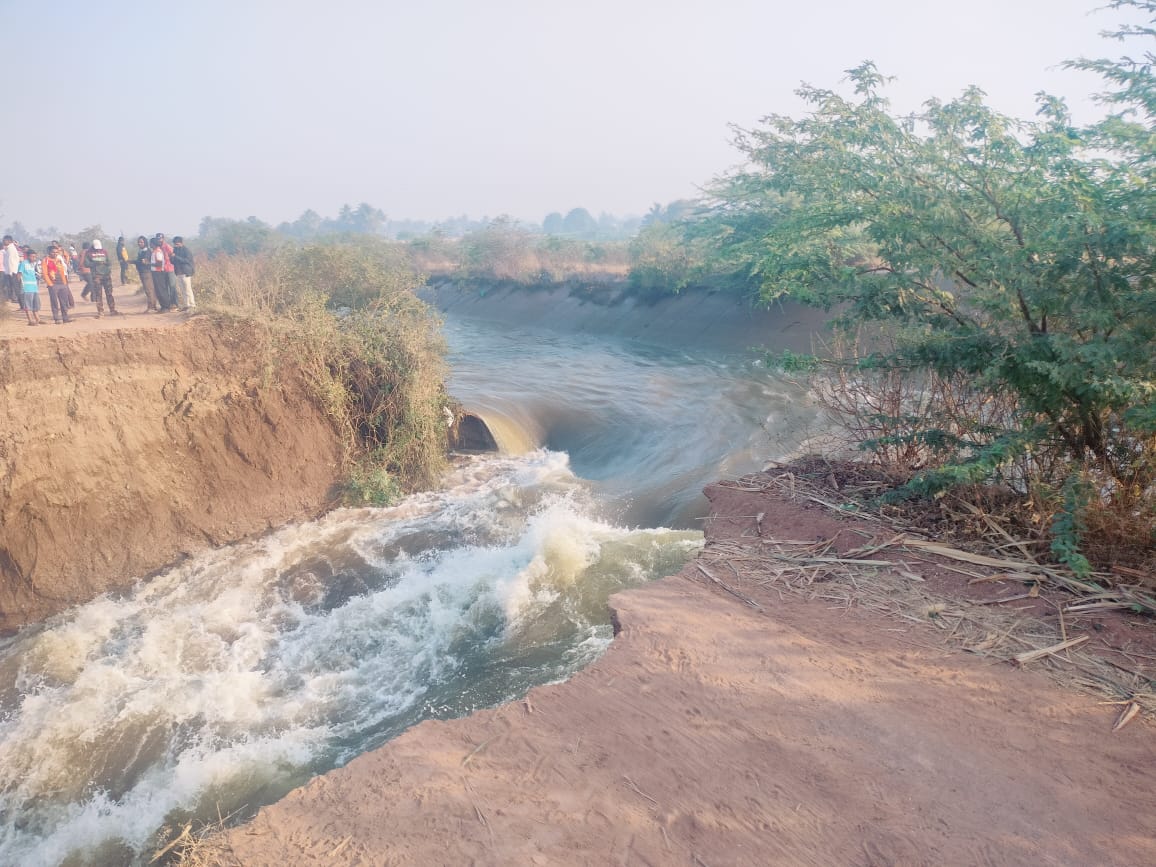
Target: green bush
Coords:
[(1012, 259), (369, 482)]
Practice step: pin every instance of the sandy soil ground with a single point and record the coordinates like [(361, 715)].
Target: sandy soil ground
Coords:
[(714, 732), (128, 443), (129, 302)]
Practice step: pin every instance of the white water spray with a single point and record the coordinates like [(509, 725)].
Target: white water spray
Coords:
[(239, 674)]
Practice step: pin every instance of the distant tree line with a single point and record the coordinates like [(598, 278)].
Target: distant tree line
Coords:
[(651, 250), (251, 234)]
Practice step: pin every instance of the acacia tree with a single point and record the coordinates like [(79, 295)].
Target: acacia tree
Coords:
[(1015, 254)]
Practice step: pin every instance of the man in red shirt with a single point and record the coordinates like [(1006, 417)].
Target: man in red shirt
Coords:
[(56, 277)]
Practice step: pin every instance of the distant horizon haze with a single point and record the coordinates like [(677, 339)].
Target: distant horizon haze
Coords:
[(272, 107)]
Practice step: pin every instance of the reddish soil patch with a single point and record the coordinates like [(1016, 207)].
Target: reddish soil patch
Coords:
[(130, 442), (714, 732)]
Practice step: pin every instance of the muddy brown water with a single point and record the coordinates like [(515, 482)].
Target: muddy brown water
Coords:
[(222, 684)]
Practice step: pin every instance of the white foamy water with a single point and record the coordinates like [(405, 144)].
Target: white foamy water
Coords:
[(225, 682), (229, 680)]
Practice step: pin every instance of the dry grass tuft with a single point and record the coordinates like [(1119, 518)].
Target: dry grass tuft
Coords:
[(194, 846), (980, 518)]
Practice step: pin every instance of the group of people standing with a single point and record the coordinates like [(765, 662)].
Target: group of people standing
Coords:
[(166, 275)]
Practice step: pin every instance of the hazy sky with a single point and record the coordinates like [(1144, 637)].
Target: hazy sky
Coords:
[(148, 116)]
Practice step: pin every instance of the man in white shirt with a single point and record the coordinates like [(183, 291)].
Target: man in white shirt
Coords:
[(9, 267)]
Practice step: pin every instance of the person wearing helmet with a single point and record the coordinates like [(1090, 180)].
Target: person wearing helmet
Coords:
[(99, 265)]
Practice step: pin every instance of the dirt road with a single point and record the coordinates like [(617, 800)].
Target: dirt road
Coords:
[(128, 301)]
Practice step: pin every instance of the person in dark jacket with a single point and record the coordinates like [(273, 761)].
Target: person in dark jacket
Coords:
[(99, 266), (80, 263), (144, 268), (184, 268)]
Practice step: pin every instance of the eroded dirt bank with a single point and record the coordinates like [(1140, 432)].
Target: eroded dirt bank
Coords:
[(121, 450), (713, 732)]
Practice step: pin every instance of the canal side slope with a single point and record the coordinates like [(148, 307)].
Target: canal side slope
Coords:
[(695, 319), (126, 448)]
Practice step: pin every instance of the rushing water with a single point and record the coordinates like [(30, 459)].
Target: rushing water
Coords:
[(227, 681)]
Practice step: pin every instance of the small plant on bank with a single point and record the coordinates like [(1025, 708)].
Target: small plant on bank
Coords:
[(370, 483)]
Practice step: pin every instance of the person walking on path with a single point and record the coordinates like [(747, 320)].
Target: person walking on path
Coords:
[(10, 262), (29, 288), (122, 259), (184, 269), (99, 266), (56, 277), (144, 270), (81, 265)]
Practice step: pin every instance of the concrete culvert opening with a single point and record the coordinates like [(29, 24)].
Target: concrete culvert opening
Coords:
[(472, 435)]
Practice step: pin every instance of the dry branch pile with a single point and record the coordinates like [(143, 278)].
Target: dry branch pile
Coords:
[(884, 574)]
